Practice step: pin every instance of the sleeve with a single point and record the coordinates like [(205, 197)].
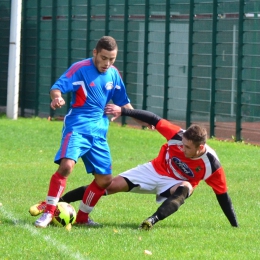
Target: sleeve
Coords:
[(64, 83), (164, 127), (143, 115), (217, 181), (226, 205), (169, 130)]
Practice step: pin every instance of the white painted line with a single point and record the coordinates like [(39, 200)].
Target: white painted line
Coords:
[(51, 241)]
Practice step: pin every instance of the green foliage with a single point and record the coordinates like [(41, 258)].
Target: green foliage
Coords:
[(199, 230)]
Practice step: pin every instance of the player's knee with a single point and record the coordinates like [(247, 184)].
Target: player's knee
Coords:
[(103, 181), (66, 167), (188, 186)]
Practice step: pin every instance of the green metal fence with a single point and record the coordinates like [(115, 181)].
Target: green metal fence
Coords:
[(186, 60), (5, 6)]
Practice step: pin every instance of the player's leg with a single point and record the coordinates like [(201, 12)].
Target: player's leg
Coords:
[(73, 195), (56, 188), (70, 196), (97, 161), (177, 195), (119, 184), (68, 154), (91, 196)]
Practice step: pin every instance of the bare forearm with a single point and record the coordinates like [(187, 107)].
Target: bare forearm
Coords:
[(55, 93), (128, 106)]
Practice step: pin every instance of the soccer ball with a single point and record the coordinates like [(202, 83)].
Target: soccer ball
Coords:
[(64, 214)]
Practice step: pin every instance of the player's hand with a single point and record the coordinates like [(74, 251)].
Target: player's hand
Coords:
[(57, 103), (114, 110)]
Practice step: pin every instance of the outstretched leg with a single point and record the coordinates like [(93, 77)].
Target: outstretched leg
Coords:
[(73, 195), (168, 207)]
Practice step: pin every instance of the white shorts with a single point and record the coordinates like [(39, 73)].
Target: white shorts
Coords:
[(149, 181)]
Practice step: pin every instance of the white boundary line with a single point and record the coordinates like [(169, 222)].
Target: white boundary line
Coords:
[(51, 242)]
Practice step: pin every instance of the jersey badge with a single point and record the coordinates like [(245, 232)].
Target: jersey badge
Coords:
[(182, 166), (198, 168), (92, 84), (109, 85)]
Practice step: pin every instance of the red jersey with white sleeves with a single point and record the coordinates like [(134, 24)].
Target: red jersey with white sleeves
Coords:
[(172, 162)]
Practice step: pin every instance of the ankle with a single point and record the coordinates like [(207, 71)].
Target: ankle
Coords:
[(154, 219), (82, 217)]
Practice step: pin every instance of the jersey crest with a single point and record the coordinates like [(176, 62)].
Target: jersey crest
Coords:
[(183, 166), (109, 85)]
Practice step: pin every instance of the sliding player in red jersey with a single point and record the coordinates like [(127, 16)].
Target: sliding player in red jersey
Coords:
[(181, 164)]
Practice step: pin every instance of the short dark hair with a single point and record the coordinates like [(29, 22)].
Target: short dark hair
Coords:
[(197, 134), (106, 42)]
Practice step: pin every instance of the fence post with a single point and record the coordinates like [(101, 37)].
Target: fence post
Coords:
[(123, 120), (213, 69), (14, 60), (166, 58), (37, 72), (239, 68), (68, 98), (107, 18), (53, 46), (88, 54), (189, 84), (145, 65), (23, 59)]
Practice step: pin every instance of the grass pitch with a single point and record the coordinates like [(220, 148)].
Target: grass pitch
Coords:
[(199, 230)]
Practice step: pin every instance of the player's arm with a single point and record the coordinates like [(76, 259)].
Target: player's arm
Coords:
[(57, 99), (149, 119), (217, 181), (116, 111), (138, 114), (226, 205), (129, 106)]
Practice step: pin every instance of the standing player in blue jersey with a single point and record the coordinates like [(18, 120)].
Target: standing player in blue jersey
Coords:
[(93, 82)]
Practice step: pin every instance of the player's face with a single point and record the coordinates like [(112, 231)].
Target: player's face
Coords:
[(104, 59), (190, 150)]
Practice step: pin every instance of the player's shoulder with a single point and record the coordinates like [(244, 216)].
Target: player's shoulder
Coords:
[(213, 158), (114, 70), (86, 62), (211, 151), (75, 67)]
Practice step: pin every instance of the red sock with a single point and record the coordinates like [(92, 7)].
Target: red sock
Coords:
[(56, 188), (91, 196)]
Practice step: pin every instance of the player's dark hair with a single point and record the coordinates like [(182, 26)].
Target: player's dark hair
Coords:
[(107, 43), (197, 134)]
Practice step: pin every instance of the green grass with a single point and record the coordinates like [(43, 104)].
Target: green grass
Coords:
[(199, 230)]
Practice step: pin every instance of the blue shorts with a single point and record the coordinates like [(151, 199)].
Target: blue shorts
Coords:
[(94, 152)]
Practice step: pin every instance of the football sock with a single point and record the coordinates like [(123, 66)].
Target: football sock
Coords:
[(74, 195), (172, 204), (153, 219), (56, 188), (91, 196)]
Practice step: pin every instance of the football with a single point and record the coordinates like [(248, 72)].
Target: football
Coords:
[(64, 214)]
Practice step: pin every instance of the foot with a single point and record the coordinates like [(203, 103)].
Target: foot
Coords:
[(44, 220), (38, 208), (148, 223), (89, 223)]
